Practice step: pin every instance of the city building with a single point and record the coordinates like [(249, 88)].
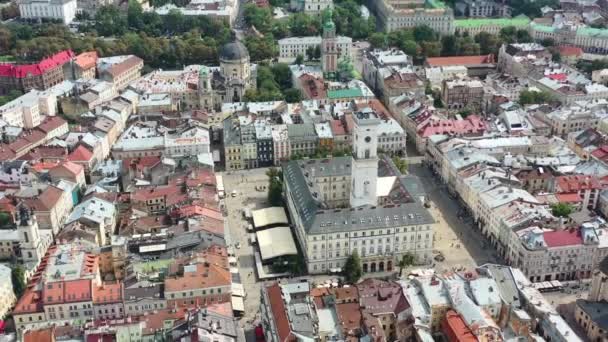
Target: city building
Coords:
[(292, 47), (219, 10), (464, 93), (120, 70), (382, 219), (40, 76), (311, 6), (481, 9), (83, 66), (62, 10), (7, 295), (393, 15)]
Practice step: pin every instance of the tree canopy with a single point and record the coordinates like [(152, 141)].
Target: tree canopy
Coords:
[(352, 271), (18, 279), (561, 209), (534, 97)]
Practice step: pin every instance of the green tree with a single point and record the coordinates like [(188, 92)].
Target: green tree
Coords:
[(488, 43), (110, 21), (275, 187), (282, 75), (352, 271), (450, 46), (401, 164), (406, 260), (424, 33), (317, 52), (18, 279), (561, 209), (534, 97), (310, 53), (299, 60), (5, 219), (378, 40), (135, 15), (293, 95)]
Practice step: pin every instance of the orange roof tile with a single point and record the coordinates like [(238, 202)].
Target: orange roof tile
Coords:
[(44, 166), (43, 335), (81, 153), (51, 123), (108, 293), (46, 201), (206, 275), (69, 166), (28, 303), (279, 314), (86, 60)]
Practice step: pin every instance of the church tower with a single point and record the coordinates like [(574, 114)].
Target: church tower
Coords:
[(364, 171), (205, 92), (329, 47), (30, 242)]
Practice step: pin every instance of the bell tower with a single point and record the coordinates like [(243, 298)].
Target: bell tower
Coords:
[(364, 171), (205, 93), (329, 47), (29, 235)]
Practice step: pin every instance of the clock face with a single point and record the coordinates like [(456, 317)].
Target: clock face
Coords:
[(368, 139)]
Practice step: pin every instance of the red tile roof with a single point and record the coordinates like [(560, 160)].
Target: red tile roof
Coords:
[(119, 68), (376, 106), (28, 303), (561, 238), (337, 127), (81, 154), (569, 198), (472, 125), (570, 51), (51, 123), (460, 60), (211, 271), (45, 152), (46, 201), (27, 70), (40, 167), (561, 77), (575, 183), (379, 296), (108, 293), (314, 88), (73, 168), (43, 335), (67, 291), (279, 314), (455, 328), (86, 60)]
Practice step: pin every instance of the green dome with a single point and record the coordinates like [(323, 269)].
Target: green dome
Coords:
[(203, 71)]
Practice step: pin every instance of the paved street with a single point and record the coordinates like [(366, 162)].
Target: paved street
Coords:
[(244, 182), (461, 245)]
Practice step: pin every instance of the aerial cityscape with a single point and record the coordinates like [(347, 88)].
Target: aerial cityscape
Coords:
[(304, 170)]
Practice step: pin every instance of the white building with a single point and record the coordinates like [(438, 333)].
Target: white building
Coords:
[(7, 296), (342, 206), (291, 47), (26, 110), (64, 10)]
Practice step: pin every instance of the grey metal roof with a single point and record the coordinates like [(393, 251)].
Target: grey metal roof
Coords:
[(232, 132), (597, 311), (301, 132), (506, 283), (317, 220), (339, 166)]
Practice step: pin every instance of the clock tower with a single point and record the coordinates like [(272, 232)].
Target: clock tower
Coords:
[(364, 171)]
